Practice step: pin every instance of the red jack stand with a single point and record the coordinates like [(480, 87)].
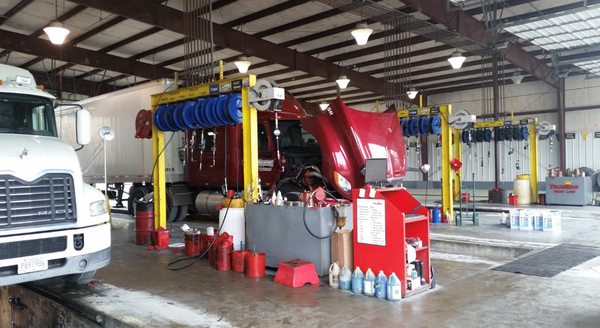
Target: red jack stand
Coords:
[(296, 273)]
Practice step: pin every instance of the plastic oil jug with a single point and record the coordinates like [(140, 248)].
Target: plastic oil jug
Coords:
[(345, 278), (393, 288), (381, 285), (357, 281), (334, 275), (369, 283)]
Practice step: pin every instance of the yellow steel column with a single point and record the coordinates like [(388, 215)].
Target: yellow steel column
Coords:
[(533, 161), (250, 144), (457, 152), (221, 70), (447, 178), (158, 173)]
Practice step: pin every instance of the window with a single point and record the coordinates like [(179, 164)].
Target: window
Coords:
[(26, 114), (293, 135)]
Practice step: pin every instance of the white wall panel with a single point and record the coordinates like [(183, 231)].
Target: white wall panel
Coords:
[(582, 91), (582, 152), (516, 98)]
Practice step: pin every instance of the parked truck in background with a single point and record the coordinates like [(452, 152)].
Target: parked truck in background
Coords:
[(201, 162), (51, 223)]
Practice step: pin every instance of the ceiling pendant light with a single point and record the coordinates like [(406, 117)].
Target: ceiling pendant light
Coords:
[(456, 60), (323, 105), (242, 64), (412, 93), (517, 78), (361, 33), (342, 82), (56, 32)]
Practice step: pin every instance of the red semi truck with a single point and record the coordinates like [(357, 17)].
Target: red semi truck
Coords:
[(337, 140), (201, 162)]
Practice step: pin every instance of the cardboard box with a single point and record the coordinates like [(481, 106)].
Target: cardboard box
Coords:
[(513, 221), (552, 221), (525, 220), (341, 249)]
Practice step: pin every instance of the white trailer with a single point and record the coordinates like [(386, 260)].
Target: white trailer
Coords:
[(128, 159), (51, 222)]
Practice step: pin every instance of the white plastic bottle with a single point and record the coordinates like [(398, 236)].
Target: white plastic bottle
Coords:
[(279, 199), (394, 292), (381, 285), (369, 283), (357, 281), (345, 278), (334, 275)]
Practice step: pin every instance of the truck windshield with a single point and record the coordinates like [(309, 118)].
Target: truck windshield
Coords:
[(26, 114)]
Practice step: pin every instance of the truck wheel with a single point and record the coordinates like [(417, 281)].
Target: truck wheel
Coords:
[(182, 213), (172, 213), (81, 278), (135, 192), (175, 213)]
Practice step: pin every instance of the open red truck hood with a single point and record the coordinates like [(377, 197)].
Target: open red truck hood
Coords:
[(348, 137)]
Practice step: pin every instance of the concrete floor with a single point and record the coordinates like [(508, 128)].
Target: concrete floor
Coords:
[(137, 289)]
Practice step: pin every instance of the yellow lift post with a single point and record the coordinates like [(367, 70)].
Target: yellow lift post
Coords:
[(250, 140), (446, 135)]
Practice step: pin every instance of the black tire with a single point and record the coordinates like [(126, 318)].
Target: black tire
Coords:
[(172, 211), (81, 278), (182, 213), (135, 192)]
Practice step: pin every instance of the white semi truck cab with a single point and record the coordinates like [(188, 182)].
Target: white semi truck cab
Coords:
[(51, 223)]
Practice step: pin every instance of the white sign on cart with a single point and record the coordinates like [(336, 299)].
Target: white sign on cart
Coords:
[(370, 221)]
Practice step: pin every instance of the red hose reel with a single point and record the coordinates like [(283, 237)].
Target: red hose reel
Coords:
[(143, 124)]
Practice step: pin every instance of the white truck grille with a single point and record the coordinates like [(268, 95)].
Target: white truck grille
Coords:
[(47, 200)]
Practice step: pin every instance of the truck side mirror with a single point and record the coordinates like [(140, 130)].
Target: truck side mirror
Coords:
[(83, 127)]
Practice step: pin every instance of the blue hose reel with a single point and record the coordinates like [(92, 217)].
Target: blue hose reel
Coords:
[(478, 135), (435, 125), (200, 113), (414, 126)]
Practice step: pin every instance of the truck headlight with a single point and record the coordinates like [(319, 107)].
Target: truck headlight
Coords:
[(342, 183), (98, 208)]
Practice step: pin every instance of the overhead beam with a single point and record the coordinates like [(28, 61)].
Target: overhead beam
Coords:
[(15, 9), (73, 85), (72, 54), (464, 24), (170, 19)]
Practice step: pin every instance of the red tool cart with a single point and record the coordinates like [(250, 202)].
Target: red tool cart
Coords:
[(384, 219)]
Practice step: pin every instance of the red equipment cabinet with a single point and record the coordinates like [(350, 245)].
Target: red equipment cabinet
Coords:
[(381, 225)]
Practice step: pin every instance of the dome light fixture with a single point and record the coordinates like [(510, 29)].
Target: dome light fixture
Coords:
[(342, 81), (361, 33), (457, 59), (242, 64), (56, 32), (412, 93)]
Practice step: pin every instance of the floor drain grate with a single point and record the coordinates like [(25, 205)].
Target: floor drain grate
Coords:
[(551, 261)]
